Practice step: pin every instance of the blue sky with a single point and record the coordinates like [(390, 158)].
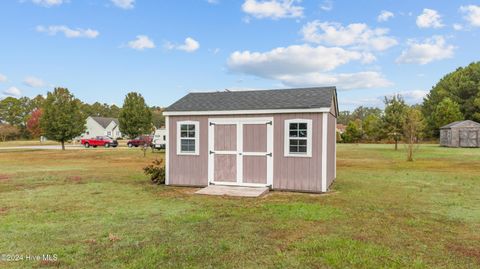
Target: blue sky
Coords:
[(103, 49)]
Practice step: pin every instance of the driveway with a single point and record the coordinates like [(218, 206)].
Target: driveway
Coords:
[(45, 147)]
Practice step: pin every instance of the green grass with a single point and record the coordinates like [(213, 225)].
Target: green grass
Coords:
[(95, 209)]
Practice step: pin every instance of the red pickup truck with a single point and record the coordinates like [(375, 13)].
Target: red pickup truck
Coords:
[(140, 141), (102, 141)]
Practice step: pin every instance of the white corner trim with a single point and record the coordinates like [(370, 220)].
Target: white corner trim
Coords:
[(247, 112), (197, 138), (167, 151), (324, 151), (286, 138), (335, 157)]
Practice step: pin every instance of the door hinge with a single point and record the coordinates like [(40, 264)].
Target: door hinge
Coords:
[(212, 152), (269, 122), (269, 154), (211, 123)]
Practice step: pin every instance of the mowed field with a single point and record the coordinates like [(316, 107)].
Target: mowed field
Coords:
[(95, 209)]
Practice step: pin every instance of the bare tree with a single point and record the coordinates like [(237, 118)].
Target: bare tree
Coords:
[(413, 127)]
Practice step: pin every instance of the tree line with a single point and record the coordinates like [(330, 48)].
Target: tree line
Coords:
[(455, 97), (60, 116)]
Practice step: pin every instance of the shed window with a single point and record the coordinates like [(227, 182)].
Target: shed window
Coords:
[(298, 138), (187, 138)]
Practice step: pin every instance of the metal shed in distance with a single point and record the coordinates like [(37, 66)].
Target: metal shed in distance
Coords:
[(463, 134)]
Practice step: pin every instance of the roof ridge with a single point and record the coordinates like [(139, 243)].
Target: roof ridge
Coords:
[(266, 90)]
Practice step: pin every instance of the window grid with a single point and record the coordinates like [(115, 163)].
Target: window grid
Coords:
[(187, 138), (298, 137)]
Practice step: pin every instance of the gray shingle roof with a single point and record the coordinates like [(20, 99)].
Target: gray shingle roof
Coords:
[(104, 122), (459, 123), (300, 98)]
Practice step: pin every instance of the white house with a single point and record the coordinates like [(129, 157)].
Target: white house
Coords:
[(100, 126)]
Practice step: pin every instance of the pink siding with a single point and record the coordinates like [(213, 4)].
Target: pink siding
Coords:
[(297, 173), (225, 137), (255, 169), (225, 168), (290, 173), (188, 170), (331, 155), (255, 138)]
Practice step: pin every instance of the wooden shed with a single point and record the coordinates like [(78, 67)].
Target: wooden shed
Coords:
[(283, 139), (464, 134)]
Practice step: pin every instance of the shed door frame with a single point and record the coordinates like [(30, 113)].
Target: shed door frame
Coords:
[(240, 122)]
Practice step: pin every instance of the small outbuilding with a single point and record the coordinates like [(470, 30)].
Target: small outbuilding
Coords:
[(283, 139), (464, 134)]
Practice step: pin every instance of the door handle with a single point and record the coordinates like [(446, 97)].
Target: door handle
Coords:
[(212, 152), (240, 153), (269, 154)]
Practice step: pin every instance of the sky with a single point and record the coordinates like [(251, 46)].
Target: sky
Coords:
[(102, 49)]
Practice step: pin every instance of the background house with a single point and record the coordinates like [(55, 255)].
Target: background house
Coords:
[(284, 139), (465, 134), (100, 126)]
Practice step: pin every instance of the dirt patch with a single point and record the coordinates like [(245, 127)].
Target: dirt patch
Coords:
[(466, 251), (75, 179), (3, 210), (4, 177)]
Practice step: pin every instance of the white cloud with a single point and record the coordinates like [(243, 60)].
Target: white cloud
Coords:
[(327, 5), (344, 81), (3, 78), (472, 14), (48, 3), (457, 27), (124, 4), (190, 45), (213, 2), (141, 42), (353, 35), (68, 32), (432, 49), (274, 9), (385, 15), (304, 65), (429, 19), (12, 91), (34, 82), (414, 96)]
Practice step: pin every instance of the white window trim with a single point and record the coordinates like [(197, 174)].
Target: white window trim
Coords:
[(197, 138), (286, 138)]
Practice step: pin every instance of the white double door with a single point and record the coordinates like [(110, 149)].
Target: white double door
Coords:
[(240, 151)]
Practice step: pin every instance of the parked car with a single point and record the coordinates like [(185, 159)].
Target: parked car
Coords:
[(140, 141), (102, 141), (159, 139)]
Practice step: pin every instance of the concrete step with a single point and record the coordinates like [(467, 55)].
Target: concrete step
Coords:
[(237, 191)]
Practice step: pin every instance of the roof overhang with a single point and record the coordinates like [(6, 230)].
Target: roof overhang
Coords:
[(246, 112)]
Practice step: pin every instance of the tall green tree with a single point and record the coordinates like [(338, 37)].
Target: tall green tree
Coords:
[(446, 112), (135, 118), (394, 117), (62, 119), (12, 111), (461, 86), (372, 127)]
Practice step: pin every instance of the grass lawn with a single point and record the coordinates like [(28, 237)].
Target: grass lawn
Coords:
[(95, 209)]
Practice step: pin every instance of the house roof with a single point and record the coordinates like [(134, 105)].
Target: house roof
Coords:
[(299, 98), (468, 123), (104, 122)]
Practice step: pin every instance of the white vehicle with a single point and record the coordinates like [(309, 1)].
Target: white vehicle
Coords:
[(159, 138)]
